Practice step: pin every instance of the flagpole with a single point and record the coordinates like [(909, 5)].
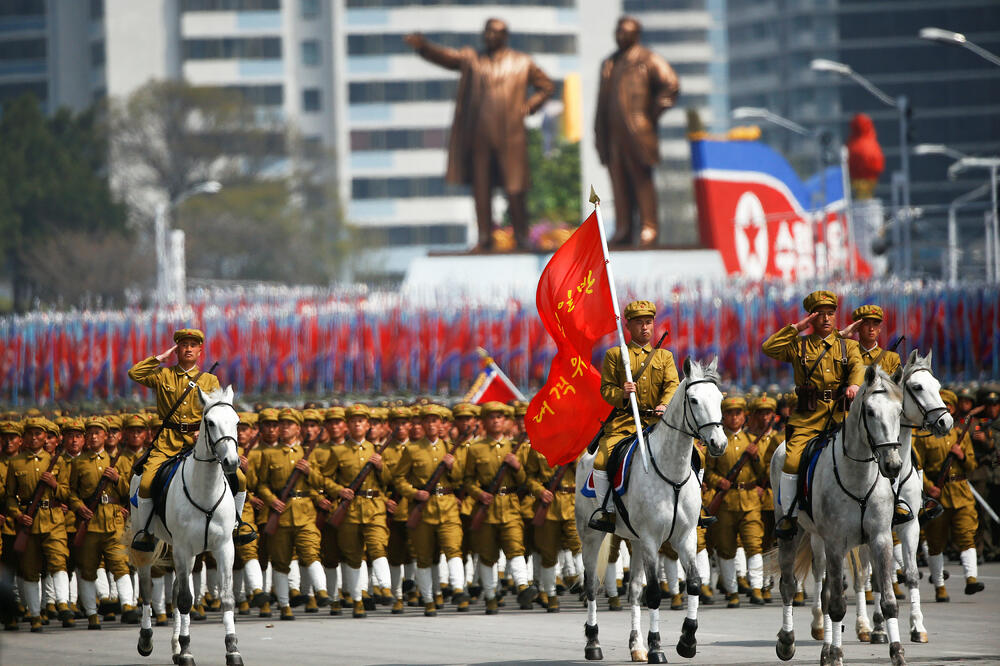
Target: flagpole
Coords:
[(594, 199)]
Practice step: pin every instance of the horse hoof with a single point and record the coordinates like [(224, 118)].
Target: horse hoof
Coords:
[(879, 637), (825, 656), (686, 649), (865, 636), (638, 655), (145, 646), (785, 647), (234, 659), (657, 657), (185, 660), (918, 636), (817, 633), (836, 656), (593, 654), (897, 654)]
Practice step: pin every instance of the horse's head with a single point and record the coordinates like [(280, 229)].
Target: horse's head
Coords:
[(218, 426), (703, 404), (922, 403), (881, 406)]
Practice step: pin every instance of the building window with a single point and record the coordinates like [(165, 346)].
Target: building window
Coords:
[(245, 48), (433, 234), (393, 44), (23, 49), (272, 95), (309, 8), (402, 187), (387, 92), (311, 99), (230, 5), (310, 53), (399, 139), (10, 91), (22, 8)]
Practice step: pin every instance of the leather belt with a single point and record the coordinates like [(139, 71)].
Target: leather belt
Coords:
[(746, 486), (295, 494), (827, 395), (504, 490), (183, 428), (108, 499), (440, 490), (370, 494), (566, 489), (43, 504), (957, 477)]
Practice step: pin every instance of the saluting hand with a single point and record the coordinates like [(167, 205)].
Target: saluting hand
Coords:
[(165, 355), (849, 331), (805, 323), (415, 40)]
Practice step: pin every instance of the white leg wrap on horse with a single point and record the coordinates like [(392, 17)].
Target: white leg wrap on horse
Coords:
[(741, 561), (787, 615), (125, 588), (727, 571), (102, 584), (318, 577), (33, 597), (610, 584), (861, 604), (88, 597), (158, 601), (601, 489), (936, 564), (892, 628), (548, 580), (704, 567), (654, 620), (969, 563), (755, 571), (519, 570), (281, 588), (488, 578), (186, 624), (425, 584), (396, 581), (135, 588), (692, 606), (592, 613), (254, 576), (228, 622), (147, 617), (788, 485), (60, 587), (456, 573), (294, 576), (240, 585), (837, 633), (827, 630)]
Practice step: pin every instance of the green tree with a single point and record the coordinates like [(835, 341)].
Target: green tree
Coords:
[(53, 180), (555, 180)]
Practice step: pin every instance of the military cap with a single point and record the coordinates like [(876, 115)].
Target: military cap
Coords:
[(380, 414), (61, 420), (493, 407), (949, 397), (358, 409), (248, 418), (446, 413), (97, 422), (70, 425), (312, 415), (763, 402), (867, 312), (33, 411), (11, 428), (267, 414), (114, 421), (155, 421), (520, 407), (640, 309), (135, 421), (399, 413), (818, 299), (990, 396), (290, 414), (734, 402), (966, 393), (51, 428), (334, 414), (464, 409), (431, 409), (189, 333)]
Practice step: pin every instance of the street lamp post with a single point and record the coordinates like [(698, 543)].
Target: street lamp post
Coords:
[(941, 149), (993, 164), (957, 39), (901, 104), (170, 247)]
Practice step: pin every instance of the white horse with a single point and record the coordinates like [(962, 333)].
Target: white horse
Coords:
[(664, 503), (852, 504), (923, 409), (200, 517)]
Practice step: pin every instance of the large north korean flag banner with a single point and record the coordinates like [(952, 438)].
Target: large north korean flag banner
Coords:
[(574, 304)]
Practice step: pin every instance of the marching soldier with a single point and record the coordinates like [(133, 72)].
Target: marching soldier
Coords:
[(134, 438), (440, 528), (181, 430), (11, 433), (72, 431), (503, 525), (398, 551), (762, 423), (46, 548), (329, 554), (559, 527), (297, 533), (364, 528), (267, 429), (740, 513), (653, 391), (960, 519), (247, 555), (822, 363), (105, 524)]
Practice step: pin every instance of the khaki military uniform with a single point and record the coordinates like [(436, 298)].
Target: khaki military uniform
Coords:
[(890, 362), (253, 475), (440, 528), (655, 387), (960, 519), (104, 530), (786, 345), (364, 527), (769, 444), (503, 525), (398, 550), (169, 384), (740, 513), (329, 551), (47, 548), (559, 528), (248, 551), (297, 534)]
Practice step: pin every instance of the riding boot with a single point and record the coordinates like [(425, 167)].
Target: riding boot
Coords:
[(244, 537), (902, 513), (143, 541), (788, 488), (605, 521), (971, 567)]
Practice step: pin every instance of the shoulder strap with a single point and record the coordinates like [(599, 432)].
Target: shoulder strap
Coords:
[(177, 403), (818, 358)]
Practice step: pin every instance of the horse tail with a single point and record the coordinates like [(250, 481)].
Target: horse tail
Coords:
[(602, 558), (138, 558), (803, 557)]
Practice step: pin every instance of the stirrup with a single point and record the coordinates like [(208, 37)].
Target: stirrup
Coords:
[(706, 519), (602, 521), (144, 542), (930, 510), (786, 528), (243, 538), (901, 514)]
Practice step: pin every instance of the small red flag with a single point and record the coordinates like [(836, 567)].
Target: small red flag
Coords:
[(574, 303)]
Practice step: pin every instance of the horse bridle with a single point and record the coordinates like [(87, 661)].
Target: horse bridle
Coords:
[(695, 432), (929, 415), (868, 435), (212, 443)]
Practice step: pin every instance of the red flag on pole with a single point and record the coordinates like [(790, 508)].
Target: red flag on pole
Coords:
[(492, 384), (575, 305)]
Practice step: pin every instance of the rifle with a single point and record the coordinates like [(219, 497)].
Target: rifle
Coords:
[(480, 514), (293, 478), (337, 515), (614, 410), (82, 524), (22, 535), (417, 512), (932, 507), (716, 503), (543, 507)]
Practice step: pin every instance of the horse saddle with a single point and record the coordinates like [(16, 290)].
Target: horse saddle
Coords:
[(619, 465), (807, 466), (161, 482)]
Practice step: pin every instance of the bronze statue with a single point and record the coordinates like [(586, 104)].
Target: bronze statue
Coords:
[(488, 145), (637, 86)]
